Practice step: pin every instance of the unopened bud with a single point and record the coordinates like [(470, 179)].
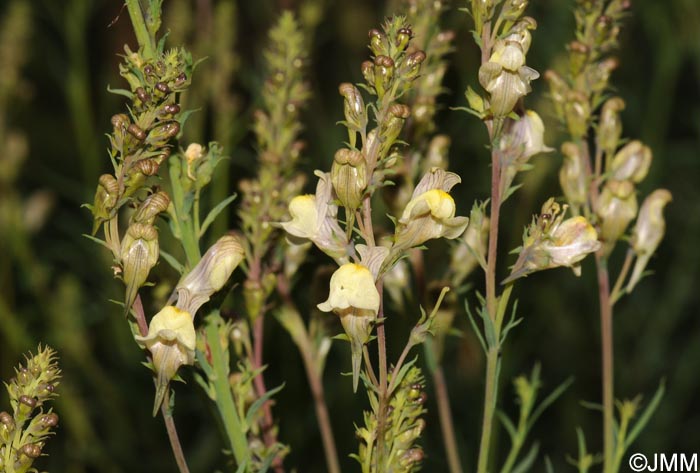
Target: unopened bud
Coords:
[(377, 42), (349, 177), (631, 162), (558, 90), (149, 209), (578, 56), (139, 254), (610, 126), (512, 9), (105, 198), (577, 111), (616, 208), (402, 38), (572, 176), (353, 106)]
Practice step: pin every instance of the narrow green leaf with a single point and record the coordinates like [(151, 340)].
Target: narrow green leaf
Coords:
[(172, 261), (507, 424), (646, 415), (214, 213), (255, 407), (546, 402), (529, 459), (472, 320)]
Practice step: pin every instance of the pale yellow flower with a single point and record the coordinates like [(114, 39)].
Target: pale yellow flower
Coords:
[(171, 340), (648, 232), (354, 297)]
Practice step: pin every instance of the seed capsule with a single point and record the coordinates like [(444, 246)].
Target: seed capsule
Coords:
[(135, 131)]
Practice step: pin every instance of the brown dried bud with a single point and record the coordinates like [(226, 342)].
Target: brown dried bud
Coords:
[(413, 63), (135, 131), (153, 205), (148, 70), (377, 42), (49, 420), (142, 95), (32, 450), (163, 88), (180, 79), (403, 37), (368, 72), (148, 167), (171, 109)]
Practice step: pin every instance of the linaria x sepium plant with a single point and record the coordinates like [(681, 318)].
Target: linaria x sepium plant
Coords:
[(393, 152)]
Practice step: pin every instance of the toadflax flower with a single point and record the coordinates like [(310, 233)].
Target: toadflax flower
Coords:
[(521, 140), (314, 217), (505, 75), (616, 208), (648, 232), (551, 242), (210, 274), (138, 254), (430, 213), (171, 341), (353, 296)]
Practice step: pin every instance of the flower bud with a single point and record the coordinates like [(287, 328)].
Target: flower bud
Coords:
[(648, 232), (610, 125), (171, 340), (211, 273), (412, 65), (353, 106), (377, 42), (349, 177), (578, 55), (354, 298), (598, 75), (106, 197), (508, 54), (616, 207), (512, 9), (391, 128), (383, 74), (368, 72), (149, 209), (572, 176), (558, 90), (631, 163), (403, 37), (577, 111), (139, 254)]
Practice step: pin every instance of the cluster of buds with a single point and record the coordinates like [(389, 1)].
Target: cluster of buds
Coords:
[(404, 428), (551, 242), (23, 433), (140, 140), (579, 92), (505, 76)]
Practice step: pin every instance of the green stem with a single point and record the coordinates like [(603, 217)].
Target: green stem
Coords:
[(146, 41), (224, 399), (606, 329)]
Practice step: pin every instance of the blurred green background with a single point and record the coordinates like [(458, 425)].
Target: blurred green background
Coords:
[(55, 284)]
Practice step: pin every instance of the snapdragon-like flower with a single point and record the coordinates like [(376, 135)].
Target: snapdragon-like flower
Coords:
[(648, 232), (572, 176), (523, 139), (353, 296), (210, 274), (314, 218), (551, 242), (616, 207), (430, 213), (632, 162), (505, 76), (171, 340)]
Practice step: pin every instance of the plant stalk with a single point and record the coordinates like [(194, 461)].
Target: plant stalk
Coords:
[(445, 413), (606, 329), (143, 36)]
